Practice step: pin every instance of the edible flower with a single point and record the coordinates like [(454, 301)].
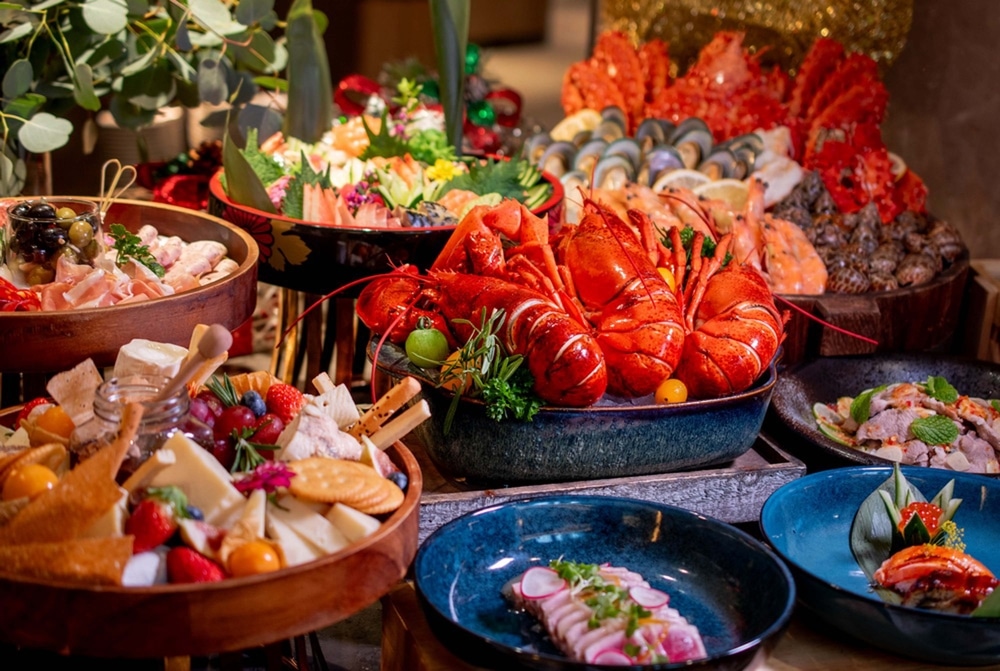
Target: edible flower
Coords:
[(269, 476), (443, 170)]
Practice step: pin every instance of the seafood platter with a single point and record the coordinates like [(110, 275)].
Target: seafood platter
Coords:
[(517, 580), (71, 307), (374, 192), (792, 166), (903, 559), (877, 410), (238, 510)]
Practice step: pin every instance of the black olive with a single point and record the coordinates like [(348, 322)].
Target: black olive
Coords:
[(21, 209), (400, 479), (53, 237), (42, 210)]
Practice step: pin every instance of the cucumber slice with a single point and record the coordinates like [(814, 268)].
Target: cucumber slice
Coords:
[(830, 425)]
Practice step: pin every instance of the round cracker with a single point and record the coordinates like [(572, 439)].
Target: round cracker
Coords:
[(394, 500), (325, 480)]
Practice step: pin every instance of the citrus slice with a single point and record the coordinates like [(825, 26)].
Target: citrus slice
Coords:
[(731, 191), (567, 129), (684, 178)]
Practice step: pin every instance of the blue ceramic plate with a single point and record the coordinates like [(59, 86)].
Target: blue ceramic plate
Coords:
[(729, 585), (808, 522), (602, 441), (824, 380)]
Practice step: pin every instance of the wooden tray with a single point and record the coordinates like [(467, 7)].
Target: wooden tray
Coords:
[(234, 614), (47, 342), (732, 493), (914, 319)]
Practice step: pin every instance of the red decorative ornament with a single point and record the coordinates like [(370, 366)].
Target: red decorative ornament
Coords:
[(190, 191), (353, 92), (506, 105), (482, 139)]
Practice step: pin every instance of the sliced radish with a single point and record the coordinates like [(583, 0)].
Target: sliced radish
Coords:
[(647, 597), (612, 657), (541, 582)]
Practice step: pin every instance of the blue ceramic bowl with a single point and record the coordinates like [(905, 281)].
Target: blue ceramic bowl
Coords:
[(808, 522), (825, 380), (729, 585), (602, 441)]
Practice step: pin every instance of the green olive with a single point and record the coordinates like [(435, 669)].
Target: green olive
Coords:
[(40, 275), (65, 213), (81, 233), (71, 253), (92, 250)]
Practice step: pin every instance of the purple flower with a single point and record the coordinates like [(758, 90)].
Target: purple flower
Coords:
[(268, 476)]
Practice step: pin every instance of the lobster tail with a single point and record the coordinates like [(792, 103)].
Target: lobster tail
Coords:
[(737, 332), (562, 355)]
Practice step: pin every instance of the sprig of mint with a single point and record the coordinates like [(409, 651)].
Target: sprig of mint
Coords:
[(938, 388), (934, 430)]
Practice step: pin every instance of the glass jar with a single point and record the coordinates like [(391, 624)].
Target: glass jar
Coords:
[(40, 232), (160, 419)]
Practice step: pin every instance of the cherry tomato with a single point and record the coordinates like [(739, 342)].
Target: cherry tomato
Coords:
[(427, 348), (29, 481), (671, 390), (253, 558)]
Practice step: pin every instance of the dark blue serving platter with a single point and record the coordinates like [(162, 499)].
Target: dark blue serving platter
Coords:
[(607, 440), (808, 523), (728, 584)]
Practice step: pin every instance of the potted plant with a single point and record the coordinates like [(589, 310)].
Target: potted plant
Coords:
[(131, 57)]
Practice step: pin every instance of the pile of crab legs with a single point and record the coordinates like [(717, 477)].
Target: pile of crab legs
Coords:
[(588, 307)]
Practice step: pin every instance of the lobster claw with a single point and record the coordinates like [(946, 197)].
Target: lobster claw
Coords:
[(390, 304)]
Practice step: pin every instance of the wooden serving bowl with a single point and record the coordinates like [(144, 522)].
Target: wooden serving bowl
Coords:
[(46, 342), (233, 614)]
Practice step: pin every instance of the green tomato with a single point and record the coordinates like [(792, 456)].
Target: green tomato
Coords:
[(427, 348)]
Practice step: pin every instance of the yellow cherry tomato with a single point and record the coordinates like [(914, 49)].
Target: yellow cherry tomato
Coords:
[(253, 558), (667, 275), (56, 422), (671, 390), (28, 480)]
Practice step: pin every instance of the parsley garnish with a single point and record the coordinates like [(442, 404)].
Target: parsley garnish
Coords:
[(938, 388), (498, 378), (129, 246)]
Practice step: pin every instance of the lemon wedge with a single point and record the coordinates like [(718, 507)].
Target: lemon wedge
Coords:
[(684, 178), (731, 191), (569, 127)]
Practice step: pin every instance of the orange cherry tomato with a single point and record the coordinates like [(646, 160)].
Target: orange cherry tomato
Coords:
[(253, 558), (28, 480), (671, 390)]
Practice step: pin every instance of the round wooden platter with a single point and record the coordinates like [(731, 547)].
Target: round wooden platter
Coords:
[(46, 342), (233, 614)]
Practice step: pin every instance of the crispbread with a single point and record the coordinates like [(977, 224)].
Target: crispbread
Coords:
[(74, 390), (89, 561), (259, 381)]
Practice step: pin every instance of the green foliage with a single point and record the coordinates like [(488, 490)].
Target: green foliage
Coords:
[(132, 58), (502, 177), (130, 246)]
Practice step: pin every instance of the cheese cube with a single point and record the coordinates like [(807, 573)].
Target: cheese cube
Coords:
[(293, 547)]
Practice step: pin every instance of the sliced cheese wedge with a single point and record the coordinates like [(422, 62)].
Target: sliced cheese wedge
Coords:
[(354, 524), (293, 547), (112, 523), (308, 524), (206, 482), (148, 469)]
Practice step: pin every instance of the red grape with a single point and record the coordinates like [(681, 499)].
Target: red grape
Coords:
[(225, 452), (269, 427), (200, 410), (235, 418)]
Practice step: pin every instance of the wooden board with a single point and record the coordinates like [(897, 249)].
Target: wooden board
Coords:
[(731, 493)]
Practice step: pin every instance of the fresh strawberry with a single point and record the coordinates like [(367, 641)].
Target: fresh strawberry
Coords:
[(185, 565), (29, 406), (284, 400), (154, 519), (267, 429)]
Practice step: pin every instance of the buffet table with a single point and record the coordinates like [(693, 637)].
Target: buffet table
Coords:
[(409, 644)]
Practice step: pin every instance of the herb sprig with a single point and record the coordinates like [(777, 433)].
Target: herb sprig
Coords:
[(484, 369), (129, 246)]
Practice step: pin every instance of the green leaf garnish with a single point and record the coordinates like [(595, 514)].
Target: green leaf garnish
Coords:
[(490, 176), (935, 430), (989, 607), (224, 390), (939, 388), (129, 246), (862, 405)]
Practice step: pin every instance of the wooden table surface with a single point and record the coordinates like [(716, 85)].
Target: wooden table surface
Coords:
[(409, 644)]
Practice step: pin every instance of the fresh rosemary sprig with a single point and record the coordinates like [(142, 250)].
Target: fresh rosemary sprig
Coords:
[(483, 369)]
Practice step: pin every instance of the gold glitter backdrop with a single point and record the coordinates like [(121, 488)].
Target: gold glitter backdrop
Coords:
[(786, 27)]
